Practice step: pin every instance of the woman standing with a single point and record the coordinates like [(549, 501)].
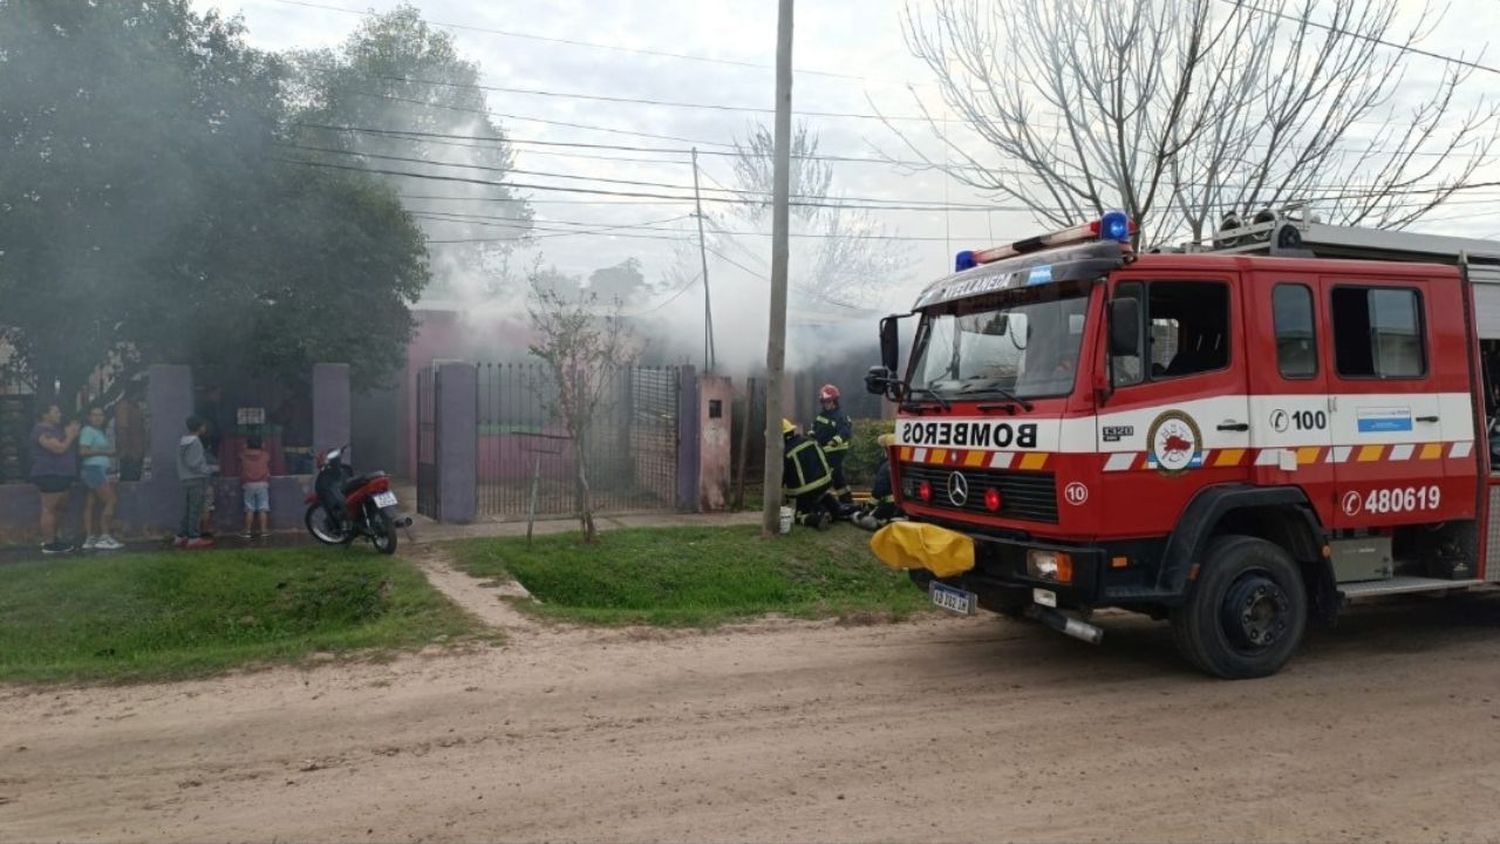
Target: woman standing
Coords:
[(97, 452), (54, 467)]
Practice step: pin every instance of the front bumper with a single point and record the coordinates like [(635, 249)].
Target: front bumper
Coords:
[(1000, 565)]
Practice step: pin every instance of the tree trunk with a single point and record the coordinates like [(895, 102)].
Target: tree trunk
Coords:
[(581, 491)]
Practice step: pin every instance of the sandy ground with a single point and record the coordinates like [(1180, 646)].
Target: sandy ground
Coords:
[(941, 729)]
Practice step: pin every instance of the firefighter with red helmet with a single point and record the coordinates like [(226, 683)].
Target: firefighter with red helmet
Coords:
[(835, 434)]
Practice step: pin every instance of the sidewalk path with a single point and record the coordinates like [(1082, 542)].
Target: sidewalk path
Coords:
[(425, 530)]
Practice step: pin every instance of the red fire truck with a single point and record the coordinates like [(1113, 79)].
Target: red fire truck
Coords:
[(1240, 436)]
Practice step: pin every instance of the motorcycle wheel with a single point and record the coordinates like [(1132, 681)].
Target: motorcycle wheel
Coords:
[(322, 527), (384, 539)]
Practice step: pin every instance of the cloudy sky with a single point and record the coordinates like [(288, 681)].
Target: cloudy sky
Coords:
[(851, 59)]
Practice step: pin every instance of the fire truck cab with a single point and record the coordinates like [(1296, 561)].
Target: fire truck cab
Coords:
[(1240, 436)]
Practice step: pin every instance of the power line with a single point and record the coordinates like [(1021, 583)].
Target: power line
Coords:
[(1404, 48), (592, 45), (643, 194), (605, 98), (604, 179)]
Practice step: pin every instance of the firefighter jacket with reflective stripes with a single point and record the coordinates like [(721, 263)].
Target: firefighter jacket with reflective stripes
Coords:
[(805, 467), (833, 430), (881, 489)]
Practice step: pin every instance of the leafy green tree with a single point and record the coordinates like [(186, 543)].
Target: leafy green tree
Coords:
[(145, 214), (383, 95)]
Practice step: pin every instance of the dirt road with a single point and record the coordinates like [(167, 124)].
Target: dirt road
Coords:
[(962, 729)]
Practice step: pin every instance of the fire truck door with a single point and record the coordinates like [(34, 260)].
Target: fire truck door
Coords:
[(1385, 412), (1290, 434), (1178, 419)]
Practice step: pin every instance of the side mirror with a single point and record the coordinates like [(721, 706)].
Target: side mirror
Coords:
[(877, 380), (1124, 327), (890, 344)]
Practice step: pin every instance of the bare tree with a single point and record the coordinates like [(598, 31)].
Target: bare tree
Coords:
[(1183, 111), (584, 350), (840, 256), (811, 176)]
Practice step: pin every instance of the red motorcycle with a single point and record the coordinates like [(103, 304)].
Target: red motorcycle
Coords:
[(343, 506)]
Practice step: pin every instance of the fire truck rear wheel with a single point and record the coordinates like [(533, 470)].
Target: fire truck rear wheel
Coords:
[(1246, 612)]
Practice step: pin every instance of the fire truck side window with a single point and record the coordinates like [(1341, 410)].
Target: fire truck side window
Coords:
[(1296, 342), (1377, 332), (1187, 330)]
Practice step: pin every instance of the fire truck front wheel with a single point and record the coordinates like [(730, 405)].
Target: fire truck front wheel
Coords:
[(1245, 613)]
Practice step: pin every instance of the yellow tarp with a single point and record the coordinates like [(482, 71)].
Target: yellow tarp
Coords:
[(914, 545)]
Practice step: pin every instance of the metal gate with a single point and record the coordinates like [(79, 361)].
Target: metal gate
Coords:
[(429, 482), (528, 461)]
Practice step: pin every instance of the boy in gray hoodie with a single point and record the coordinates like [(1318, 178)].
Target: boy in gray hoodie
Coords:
[(194, 471)]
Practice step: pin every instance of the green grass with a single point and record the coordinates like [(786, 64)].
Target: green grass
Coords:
[(171, 615), (697, 576)]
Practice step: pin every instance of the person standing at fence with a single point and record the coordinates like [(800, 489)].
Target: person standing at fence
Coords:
[(195, 473), (130, 433), (54, 469), (255, 482), (835, 434), (97, 455)]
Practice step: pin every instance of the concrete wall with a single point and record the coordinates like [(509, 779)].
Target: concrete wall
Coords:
[(715, 415), (153, 506)]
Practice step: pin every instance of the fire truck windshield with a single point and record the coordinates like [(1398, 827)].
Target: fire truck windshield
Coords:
[(1024, 350)]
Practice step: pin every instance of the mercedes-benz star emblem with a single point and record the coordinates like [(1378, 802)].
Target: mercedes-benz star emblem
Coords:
[(958, 489)]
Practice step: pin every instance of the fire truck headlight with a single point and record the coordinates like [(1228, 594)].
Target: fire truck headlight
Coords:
[(1056, 566)]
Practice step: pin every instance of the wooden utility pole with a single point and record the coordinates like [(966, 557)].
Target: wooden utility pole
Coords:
[(780, 222), (708, 312)]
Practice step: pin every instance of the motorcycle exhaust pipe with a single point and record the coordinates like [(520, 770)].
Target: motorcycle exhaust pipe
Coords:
[(1065, 624), (404, 522)]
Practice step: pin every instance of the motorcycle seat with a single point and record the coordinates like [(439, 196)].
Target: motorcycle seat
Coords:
[(360, 480)]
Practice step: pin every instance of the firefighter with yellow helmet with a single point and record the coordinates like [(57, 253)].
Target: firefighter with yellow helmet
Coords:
[(807, 479), (883, 508)]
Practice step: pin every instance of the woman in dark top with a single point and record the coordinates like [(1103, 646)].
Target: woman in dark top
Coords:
[(54, 468)]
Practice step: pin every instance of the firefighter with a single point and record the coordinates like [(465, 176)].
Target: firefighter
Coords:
[(834, 433), (883, 509), (807, 479)]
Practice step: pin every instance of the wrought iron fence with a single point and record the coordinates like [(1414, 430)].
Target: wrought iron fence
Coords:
[(528, 459)]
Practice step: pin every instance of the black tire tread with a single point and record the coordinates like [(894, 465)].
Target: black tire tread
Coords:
[(1193, 623)]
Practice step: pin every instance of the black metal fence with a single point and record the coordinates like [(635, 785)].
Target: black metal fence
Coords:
[(528, 460)]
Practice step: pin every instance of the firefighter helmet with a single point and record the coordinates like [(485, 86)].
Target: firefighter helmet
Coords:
[(828, 393), (787, 427)]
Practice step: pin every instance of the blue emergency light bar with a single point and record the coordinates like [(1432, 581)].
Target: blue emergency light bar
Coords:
[(1114, 225)]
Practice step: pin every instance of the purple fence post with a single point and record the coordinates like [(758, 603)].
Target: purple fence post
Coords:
[(688, 445), (330, 399), (155, 504), (458, 441)]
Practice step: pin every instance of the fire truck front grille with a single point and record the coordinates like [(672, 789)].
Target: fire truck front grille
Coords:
[(1031, 496)]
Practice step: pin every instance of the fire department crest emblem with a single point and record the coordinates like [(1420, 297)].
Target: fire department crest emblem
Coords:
[(1175, 442)]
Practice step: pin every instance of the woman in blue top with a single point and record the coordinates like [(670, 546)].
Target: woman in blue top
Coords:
[(97, 451)]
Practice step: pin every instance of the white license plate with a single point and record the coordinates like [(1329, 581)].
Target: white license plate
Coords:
[(385, 499), (951, 599)]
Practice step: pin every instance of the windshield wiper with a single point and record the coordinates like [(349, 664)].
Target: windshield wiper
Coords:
[(1003, 393), (925, 391)]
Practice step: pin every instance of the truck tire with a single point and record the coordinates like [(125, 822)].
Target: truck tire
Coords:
[(1245, 613)]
